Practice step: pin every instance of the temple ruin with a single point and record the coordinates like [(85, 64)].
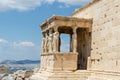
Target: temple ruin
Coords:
[(94, 44), (78, 30)]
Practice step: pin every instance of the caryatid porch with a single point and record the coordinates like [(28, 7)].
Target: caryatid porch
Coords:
[(51, 58)]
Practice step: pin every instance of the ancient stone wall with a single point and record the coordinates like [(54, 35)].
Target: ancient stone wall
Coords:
[(105, 50)]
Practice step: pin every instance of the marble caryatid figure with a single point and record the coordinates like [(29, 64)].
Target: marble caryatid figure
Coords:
[(46, 43), (43, 45), (56, 42), (50, 40)]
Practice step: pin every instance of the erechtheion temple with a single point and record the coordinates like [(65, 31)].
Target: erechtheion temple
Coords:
[(94, 52)]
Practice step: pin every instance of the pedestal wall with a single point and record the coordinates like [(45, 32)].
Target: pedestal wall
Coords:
[(59, 62)]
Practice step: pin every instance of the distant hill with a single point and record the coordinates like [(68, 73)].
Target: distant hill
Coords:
[(20, 62)]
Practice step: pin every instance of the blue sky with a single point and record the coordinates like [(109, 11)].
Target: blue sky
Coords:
[(20, 34)]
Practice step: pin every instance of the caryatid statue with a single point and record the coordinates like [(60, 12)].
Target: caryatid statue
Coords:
[(50, 43), (46, 43), (43, 45), (56, 42)]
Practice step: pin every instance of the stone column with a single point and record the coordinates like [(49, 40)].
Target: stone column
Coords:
[(56, 37), (46, 43), (43, 43), (74, 40), (50, 40)]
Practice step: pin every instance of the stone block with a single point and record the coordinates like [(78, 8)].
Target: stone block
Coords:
[(60, 61)]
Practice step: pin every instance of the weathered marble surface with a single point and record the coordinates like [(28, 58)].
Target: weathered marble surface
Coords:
[(99, 45)]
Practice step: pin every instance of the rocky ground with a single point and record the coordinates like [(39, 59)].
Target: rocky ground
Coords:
[(8, 77), (15, 71), (18, 75)]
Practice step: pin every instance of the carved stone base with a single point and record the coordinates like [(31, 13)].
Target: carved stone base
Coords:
[(61, 75), (59, 62), (104, 75), (76, 75)]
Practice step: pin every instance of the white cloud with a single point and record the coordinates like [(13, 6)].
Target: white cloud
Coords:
[(23, 44), (17, 44), (49, 1), (19, 4), (3, 41), (27, 43), (23, 5), (74, 2), (64, 6), (18, 50)]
